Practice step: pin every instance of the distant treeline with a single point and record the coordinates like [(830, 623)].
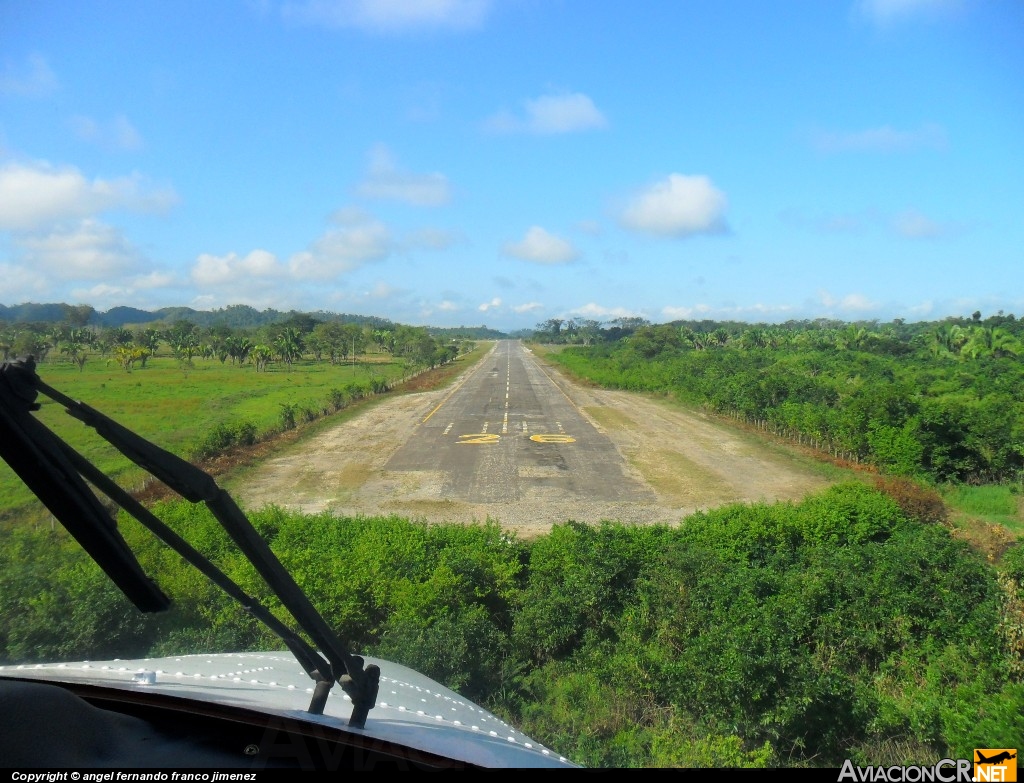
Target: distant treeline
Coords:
[(942, 400), (845, 626), (232, 316)]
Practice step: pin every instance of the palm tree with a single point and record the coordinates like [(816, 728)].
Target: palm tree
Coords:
[(991, 341), (947, 340), (260, 355), (76, 352), (288, 345)]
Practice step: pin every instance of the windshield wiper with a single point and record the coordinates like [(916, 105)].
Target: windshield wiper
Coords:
[(54, 472)]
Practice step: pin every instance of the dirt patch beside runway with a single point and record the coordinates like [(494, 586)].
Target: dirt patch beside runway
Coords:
[(689, 460)]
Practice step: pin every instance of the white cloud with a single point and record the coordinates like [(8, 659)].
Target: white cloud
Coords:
[(597, 312), (550, 114), (385, 180), (851, 303), (528, 307), (494, 303), (752, 312), (153, 281), (132, 290), (34, 79), (18, 283), (37, 195), (448, 306), (383, 16), (541, 247), (231, 269), (888, 12), (118, 134), (359, 239), (677, 206), (884, 138), (89, 250)]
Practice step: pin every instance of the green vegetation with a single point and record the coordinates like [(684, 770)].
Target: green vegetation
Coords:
[(856, 624), (786, 634), (944, 402), (200, 391)]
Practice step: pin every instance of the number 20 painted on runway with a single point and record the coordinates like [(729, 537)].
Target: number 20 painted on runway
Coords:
[(479, 438)]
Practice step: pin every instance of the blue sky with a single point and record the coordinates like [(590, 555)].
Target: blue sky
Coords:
[(503, 162)]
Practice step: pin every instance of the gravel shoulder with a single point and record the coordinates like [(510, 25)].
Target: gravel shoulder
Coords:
[(688, 459)]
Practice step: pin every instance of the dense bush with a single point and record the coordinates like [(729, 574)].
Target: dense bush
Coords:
[(791, 633), (910, 412)]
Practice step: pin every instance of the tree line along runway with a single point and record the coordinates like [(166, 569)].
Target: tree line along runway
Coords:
[(515, 441)]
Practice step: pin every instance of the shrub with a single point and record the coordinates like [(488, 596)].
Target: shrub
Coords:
[(336, 399), (917, 502), (287, 416)]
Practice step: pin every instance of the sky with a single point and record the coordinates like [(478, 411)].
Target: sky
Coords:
[(504, 162)]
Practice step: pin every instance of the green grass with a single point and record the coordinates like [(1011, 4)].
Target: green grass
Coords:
[(995, 504), (174, 408)]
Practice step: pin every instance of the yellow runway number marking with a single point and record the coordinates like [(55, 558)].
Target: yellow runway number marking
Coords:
[(552, 438), (480, 437)]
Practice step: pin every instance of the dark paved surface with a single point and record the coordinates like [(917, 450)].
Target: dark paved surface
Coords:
[(509, 433)]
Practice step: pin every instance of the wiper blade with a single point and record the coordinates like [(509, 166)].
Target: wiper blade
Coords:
[(197, 486), (35, 454)]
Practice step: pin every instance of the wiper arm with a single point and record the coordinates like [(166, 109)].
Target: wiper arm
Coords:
[(35, 454), (197, 486)]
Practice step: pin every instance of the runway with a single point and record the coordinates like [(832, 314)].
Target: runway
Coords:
[(508, 432)]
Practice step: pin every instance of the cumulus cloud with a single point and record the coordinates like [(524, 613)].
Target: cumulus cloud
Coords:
[(357, 240), (851, 303), (528, 307), (541, 247), (19, 283), (597, 312), (887, 12), (139, 290), (117, 134), (89, 250), (753, 312), (34, 78), (384, 16), (385, 180), (491, 305), (448, 306), (550, 114), (677, 206), (232, 269), (884, 138), (36, 195)]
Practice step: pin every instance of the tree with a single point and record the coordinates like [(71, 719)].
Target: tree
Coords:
[(78, 316), (260, 356), (991, 341), (76, 352), (238, 347), (288, 345)]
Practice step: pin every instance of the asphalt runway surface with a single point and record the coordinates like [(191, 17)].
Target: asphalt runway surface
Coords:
[(508, 433)]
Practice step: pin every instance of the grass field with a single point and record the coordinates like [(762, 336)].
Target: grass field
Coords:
[(178, 408), (992, 504)]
